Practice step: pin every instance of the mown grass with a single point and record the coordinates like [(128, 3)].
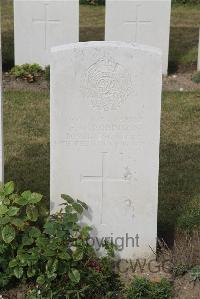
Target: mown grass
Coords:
[(179, 156), (184, 36), (26, 140), (26, 127)]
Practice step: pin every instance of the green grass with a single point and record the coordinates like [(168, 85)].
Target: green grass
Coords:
[(179, 156), (92, 20), (185, 16), (26, 127), (185, 21)]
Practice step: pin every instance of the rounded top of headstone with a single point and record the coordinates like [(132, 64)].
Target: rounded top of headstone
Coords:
[(107, 44)]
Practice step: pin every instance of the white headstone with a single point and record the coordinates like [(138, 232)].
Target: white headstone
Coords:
[(1, 116), (142, 21), (105, 128), (42, 24)]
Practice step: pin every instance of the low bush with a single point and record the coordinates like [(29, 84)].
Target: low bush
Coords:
[(29, 72), (53, 253), (143, 288)]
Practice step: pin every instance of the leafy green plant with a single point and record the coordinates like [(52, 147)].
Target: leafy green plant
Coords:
[(21, 216), (196, 77), (139, 288), (29, 72), (68, 265), (161, 290), (52, 252), (142, 287)]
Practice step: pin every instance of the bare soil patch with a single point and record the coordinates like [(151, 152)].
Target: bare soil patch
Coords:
[(176, 82), (180, 82)]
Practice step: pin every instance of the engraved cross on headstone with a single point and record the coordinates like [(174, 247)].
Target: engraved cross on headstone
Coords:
[(138, 22), (46, 21), (102, 178)]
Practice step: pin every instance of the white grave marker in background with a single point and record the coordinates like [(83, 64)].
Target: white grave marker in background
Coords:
[(105, 128), (40, 25), (145, 21)]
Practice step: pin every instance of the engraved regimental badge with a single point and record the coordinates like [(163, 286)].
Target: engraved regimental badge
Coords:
[(106, 84)]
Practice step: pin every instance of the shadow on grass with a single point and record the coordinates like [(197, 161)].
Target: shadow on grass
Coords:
[(31, 169), (178, 184), (8, 50), (91, 34), (183, 48)]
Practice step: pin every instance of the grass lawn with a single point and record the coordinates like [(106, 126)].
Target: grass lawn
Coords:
[(185, 21), (26, 127)]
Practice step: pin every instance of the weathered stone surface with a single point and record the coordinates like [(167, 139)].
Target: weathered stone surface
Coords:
[(105, 128), (142, 21), (40, 25)]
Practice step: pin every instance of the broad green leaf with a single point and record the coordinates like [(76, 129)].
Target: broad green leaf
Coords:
[(8, 234), (52, 266), (13, 211), (64, 256), (84, 205), (3, 210), (41, 280), (74, 275), (67, 198), (9, 188), (54, 244), (50, 228), (77, 207), (18, 272), (32, 213), (5, 220), (22, 201), (72, 218), (26, 195), (13, 263), (24, 258), (34, 232), (50, 253), (44, 211), (35, 198), (26, 240), (85, 230), (51, 275), (78, 254), (18, 222), (6, 201), (31, 272), (42, 242)]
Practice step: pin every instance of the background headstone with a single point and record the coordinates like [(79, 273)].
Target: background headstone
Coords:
[(1, 115), (145, 22), (105, 128), (42, 24)]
